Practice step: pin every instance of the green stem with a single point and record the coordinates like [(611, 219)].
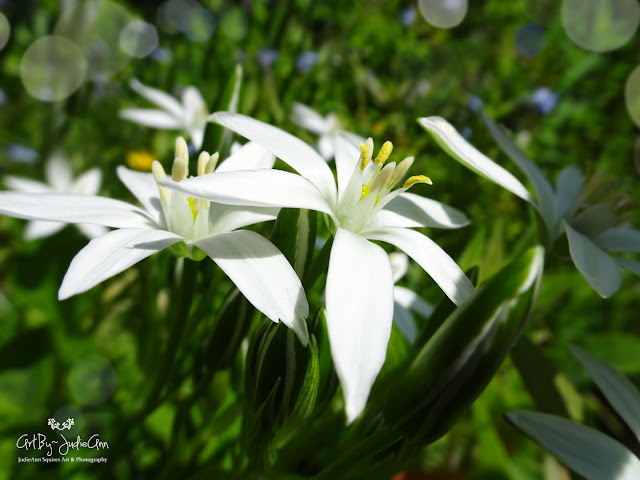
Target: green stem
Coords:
[(368, 447)]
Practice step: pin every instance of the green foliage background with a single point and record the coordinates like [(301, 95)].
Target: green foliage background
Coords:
[(96, 352)]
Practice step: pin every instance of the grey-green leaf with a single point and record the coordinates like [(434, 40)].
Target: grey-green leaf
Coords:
[(588, 452), (621, 393)]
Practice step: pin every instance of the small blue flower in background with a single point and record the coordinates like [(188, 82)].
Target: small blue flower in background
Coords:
[(266, 56), (466, 132), (408, 16), (306, 61), (20, 153), (161, 55), (474, 103), (544, 99), (3, 97)]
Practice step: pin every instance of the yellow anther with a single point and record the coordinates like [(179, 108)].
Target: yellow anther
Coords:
[(140, 160), (158, 173), (182, 151), (180, 169), (384, 153), (211, 164), (364, 156), (416, 179), (203, 159)]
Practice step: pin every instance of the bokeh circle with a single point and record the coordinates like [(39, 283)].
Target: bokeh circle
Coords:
[(52, 68), (443, 13), (632, 95), (600, 25), (5, 30)]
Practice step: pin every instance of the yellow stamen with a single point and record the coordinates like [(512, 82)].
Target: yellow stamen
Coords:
[(365, 191), (399, 172), (203, 159), (417, 179), (384, 153), (180, 169), (140, 160), (383, 177), (364, 158), (158, 173), (182, 151), (192, 206)]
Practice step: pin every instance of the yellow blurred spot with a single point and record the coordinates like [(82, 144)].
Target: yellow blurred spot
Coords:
[(140, 160)]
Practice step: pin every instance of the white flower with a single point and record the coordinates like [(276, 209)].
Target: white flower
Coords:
[(254, 264), (328, 128), (59, 180), (189, 117), (406, 301), (589, 223), (359, 290)]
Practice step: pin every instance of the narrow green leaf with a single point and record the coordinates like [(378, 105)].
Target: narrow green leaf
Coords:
[(621, 393), (588, 452), (459, 360), (294, 233), (596, 266)]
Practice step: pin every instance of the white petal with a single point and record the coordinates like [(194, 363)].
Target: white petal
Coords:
[(160, 98), (249, 156), (88, 183), (69, 208), (152, 118), (110, 254), (435, 261), (145, 189), (452, 142), (590, 453), (41, 229), (325, 147), (293, 151), (226, 218), (619, 240), (26, 185), (542, 187), (417, 211), (411, 301), (597, 267), (197, 137), (91, 230), (568, 188), (58, 172), (260, 188), (263, 275), (621, 393), (399, 265), (309, 119), (359, 297), (347, 157), (404, 321), (192, 103)]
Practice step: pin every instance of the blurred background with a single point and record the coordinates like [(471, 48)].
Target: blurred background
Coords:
[(562, 76)]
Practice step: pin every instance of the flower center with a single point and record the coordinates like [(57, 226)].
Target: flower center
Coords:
[(185, 215), (370, 186)]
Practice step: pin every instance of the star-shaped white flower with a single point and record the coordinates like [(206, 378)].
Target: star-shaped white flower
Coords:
[(590, 223), (328, 128), (59, 180), (359, 290), (195, 226), (406, 302), (189, 117)]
